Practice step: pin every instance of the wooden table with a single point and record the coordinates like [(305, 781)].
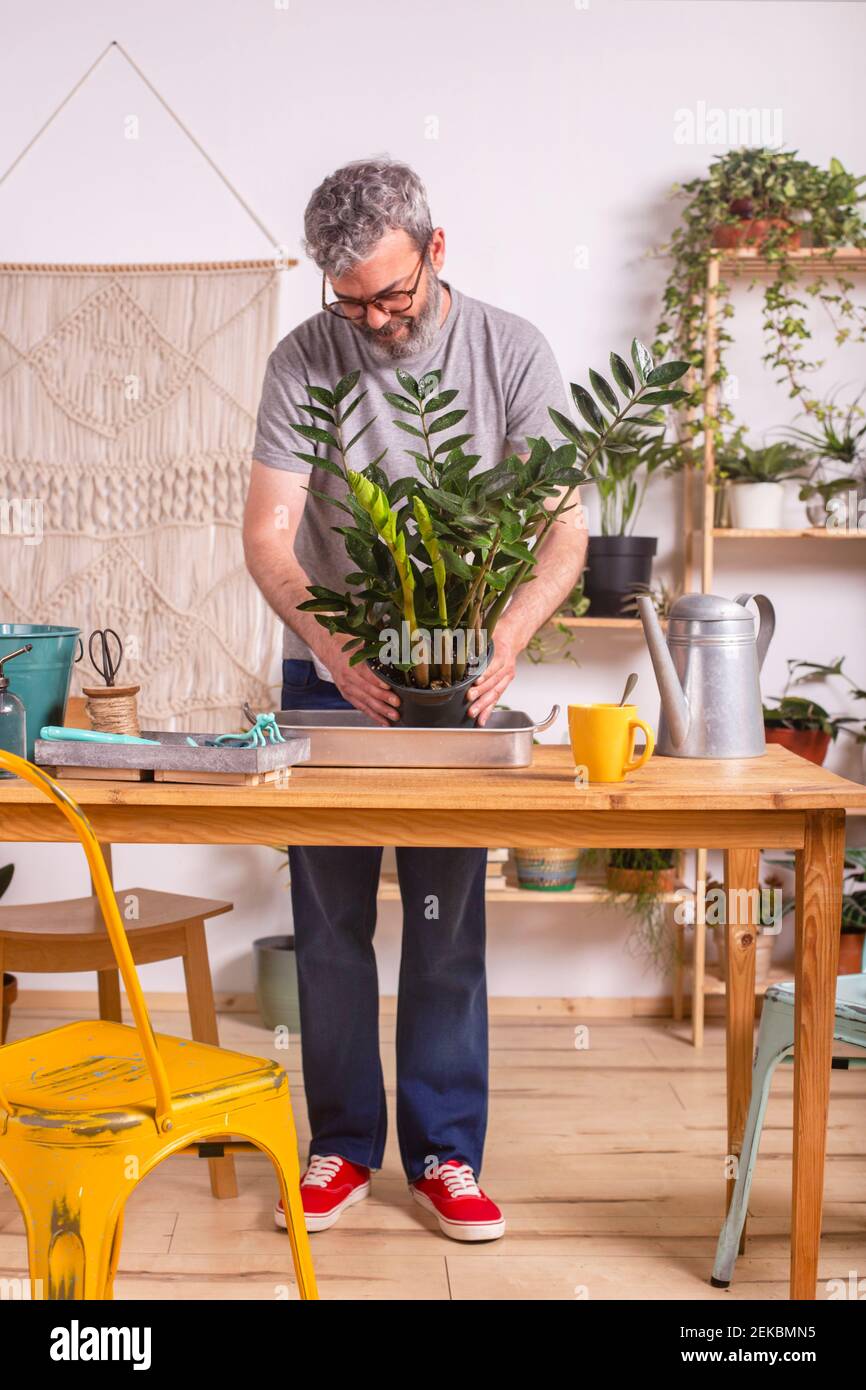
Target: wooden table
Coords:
[(775, 802)]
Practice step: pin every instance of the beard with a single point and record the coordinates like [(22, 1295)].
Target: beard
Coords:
[(421, 327)]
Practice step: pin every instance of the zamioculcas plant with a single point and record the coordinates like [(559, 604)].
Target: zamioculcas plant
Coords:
[(438, 552)]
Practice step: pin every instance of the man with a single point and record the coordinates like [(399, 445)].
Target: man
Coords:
[(368, 229)]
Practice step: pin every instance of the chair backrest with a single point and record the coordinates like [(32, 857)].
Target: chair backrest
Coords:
[(113, 925)]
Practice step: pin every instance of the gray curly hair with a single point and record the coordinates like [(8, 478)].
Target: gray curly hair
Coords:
[(353, 208)]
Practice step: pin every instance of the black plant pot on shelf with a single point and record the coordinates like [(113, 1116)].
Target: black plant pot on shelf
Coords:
[(447, 708), (617, 567)]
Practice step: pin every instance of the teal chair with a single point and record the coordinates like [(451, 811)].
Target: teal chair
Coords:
[(775, 1043)]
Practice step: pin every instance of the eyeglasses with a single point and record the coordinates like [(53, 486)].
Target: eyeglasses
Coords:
[(393, 302)]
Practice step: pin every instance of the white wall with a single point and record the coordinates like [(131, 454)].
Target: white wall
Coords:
[(540, 129)]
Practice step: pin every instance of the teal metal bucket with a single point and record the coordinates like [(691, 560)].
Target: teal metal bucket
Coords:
[(40, 678)]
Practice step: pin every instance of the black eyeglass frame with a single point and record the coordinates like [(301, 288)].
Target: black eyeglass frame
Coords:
[(335, 305)]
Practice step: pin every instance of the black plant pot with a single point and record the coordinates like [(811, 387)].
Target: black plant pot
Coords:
[(617, 566), (436, 709)]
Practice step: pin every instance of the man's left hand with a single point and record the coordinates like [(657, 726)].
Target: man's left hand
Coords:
[(490, 686)]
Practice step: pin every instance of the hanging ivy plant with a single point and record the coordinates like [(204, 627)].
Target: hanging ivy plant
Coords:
[(775, 202)]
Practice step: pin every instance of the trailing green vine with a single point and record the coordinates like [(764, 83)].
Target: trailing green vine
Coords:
[(773, 201)]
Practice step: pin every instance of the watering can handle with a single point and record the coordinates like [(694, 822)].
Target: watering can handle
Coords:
[(767, 624)]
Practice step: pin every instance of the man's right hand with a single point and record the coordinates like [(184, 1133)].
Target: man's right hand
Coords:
[(358, 684)]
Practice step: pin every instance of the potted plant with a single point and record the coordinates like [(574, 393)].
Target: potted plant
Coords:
[(853, 913), (619, 563), (439, 552), (547, 870), (801, 724), (766, 199), (836, 449), (640, 871), (754, 479)]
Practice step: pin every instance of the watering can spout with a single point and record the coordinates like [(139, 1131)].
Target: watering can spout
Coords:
[(674, 704)]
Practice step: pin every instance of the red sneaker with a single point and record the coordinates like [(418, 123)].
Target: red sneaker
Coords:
[(463, 1211), (329, 1186)]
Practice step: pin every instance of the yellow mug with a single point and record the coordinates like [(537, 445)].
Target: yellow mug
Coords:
[(603, 739)]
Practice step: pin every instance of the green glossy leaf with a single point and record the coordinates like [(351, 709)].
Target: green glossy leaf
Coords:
[(642, 359), (315, 461), (444, 422), (622, 374), (663, 397), (318, 436), (401, 403), (439, 402), (318, 413), (408, 429), (587, 407), (448, 445), (356, 437), (353, 405), (345, 385), (604, 391), (408, 383), (429, 382), (666, 373), (322, 395), (518, 551)]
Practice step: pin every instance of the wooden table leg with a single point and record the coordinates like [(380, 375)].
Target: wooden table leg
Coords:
[(741, 906), (202, 1016), (819, 915), (699, 956)]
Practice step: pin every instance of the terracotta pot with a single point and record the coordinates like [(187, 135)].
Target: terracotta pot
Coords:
[(811, 744), (850, 953), (752, 231), (640, 880)]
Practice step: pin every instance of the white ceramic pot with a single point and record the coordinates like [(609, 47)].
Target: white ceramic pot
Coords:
[(794, 512), (757, 506)]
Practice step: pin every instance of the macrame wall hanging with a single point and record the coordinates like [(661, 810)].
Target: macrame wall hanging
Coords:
[(127, 416)]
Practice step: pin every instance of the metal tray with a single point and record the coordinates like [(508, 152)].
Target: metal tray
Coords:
[(347, 738), (173, 753)]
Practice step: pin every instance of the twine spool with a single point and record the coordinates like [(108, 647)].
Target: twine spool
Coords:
[(113, 709)]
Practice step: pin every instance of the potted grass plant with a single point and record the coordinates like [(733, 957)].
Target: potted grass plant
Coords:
[(836, 453), (754, 479), (619, 563), (438, 552)]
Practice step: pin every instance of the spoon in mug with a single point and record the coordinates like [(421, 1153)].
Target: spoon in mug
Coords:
[(629, 687)]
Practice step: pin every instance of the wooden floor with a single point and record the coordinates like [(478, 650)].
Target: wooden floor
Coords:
[(607, 1162)]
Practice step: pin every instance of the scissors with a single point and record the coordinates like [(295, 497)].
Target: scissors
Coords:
[(108, 663)]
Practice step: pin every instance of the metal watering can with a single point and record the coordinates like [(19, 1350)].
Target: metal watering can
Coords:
[(708, 674)]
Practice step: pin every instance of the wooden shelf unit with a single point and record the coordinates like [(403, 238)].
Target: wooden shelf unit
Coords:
[(806, 533), (584, 891), (701, 533)]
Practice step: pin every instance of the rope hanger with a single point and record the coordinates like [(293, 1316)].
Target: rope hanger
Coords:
[(115, 44)]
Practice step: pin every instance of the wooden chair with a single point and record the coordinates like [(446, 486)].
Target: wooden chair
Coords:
[(56, 937), (89, 1109)]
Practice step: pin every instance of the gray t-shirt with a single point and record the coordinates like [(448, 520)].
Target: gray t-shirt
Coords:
[(502, 366)]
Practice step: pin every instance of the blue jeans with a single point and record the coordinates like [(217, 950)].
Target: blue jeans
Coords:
[(442, 996)]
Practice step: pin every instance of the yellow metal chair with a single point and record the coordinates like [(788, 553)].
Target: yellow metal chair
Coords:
[(89, 1109)]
